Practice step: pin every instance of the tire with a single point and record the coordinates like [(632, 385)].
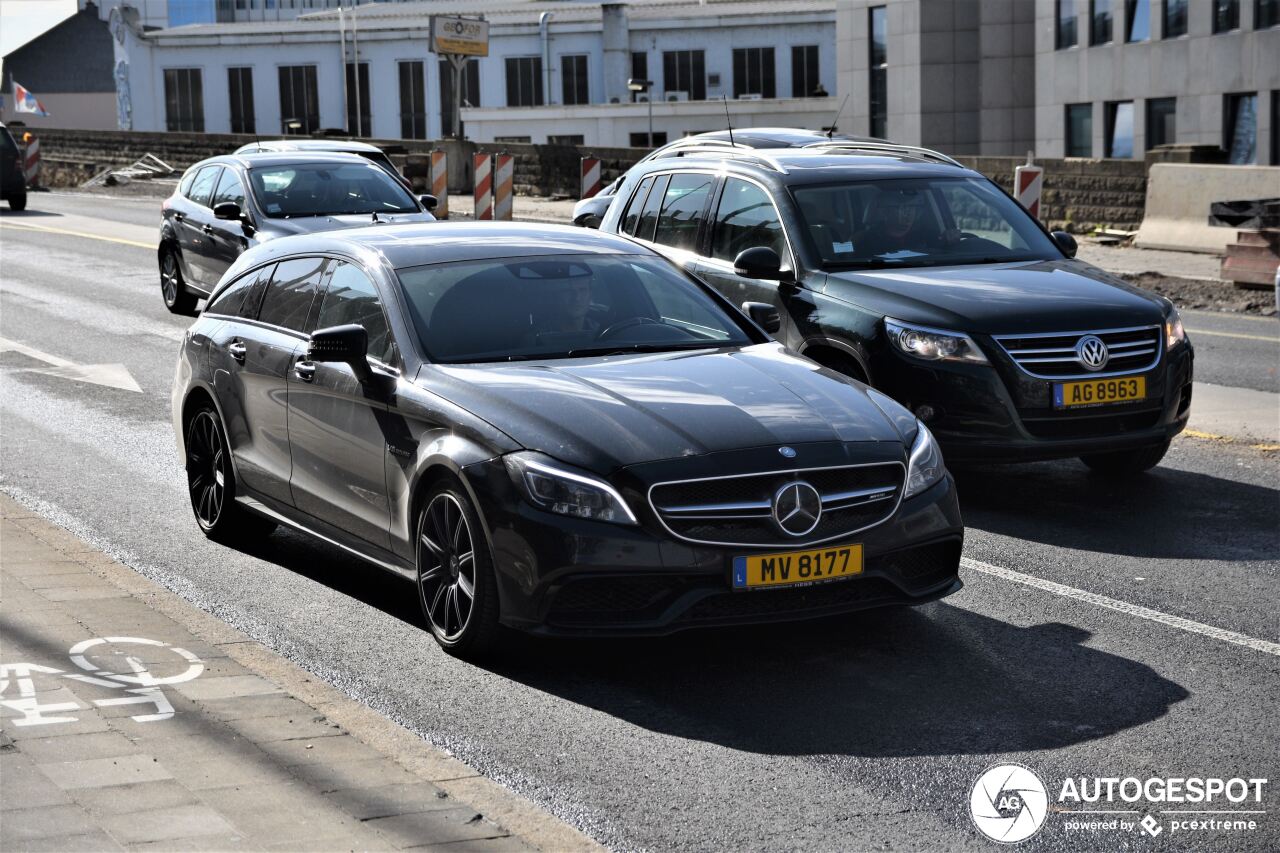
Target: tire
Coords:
[(211, 483), (457, 587), (173, 289), (18, 202), (1125, 462)]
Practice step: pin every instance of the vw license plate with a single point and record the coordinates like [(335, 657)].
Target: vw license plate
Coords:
[(790, 568), (1099, 392)]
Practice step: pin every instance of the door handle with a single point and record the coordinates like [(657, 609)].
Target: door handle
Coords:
[(207, 228), (237, 351), (305, 370), (179, 217)]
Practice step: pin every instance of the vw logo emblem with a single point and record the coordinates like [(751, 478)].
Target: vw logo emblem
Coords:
[(788, 452), (1092, 352), (797, 507)]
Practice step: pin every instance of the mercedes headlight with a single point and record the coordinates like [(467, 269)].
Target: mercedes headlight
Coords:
[(932, 344), (556, 488), (925, 467), (1174, 334)]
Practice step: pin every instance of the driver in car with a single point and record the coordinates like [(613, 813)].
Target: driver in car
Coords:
[(568, 303), (896, 219)]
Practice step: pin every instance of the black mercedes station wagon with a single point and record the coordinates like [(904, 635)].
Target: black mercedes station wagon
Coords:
[(554, 430), (225, 205), (901, 268)]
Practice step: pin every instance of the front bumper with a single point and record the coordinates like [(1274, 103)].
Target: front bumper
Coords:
[(996, 413), (568, 577)]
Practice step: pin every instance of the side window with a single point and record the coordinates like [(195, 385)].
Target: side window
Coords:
[(288, 298), (229, 189), (649, 213), (682, 206), (352, 298), (231, 300), (202, 187), (745, 219), (184, 187), (632, 216)]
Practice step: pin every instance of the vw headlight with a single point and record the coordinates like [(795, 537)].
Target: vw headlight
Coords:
[(1174, 334), (933, 344), (925, 467), (559, 489)]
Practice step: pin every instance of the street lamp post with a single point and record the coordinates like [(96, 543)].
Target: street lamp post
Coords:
[(637, 85)]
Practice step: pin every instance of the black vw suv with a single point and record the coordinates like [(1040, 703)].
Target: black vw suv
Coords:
[(901, 268)]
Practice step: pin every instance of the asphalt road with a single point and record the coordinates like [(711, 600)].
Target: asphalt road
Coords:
[(1105, 629)]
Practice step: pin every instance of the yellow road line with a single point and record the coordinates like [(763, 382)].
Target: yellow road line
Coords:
[(50, 229), (1235, 335)]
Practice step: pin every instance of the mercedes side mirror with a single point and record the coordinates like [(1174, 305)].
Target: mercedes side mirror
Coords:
[(429, 202), (760, 263), (227, 210), (342, 344), (1066, 243), (764, 315)]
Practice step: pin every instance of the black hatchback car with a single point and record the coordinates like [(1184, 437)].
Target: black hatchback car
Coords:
[(225, 205), (13, 180), (902, 269), (553, 430)]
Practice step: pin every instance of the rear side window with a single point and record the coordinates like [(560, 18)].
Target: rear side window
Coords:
[(352, 298), (632, 216), (184, 187), (745, 219), (241, 297), (649, 213), (287, 301), (682, 206), (229, 189), (202, 187)]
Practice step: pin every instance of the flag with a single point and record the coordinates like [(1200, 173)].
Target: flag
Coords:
[(25, 102)]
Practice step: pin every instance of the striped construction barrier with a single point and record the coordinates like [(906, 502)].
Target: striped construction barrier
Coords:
[(484, 186), (503, 187), (31, 158), (1028, 181), (590, 177), (440, 182)]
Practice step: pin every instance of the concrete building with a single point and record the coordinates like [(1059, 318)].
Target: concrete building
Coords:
[(1088, 78), (555, 71)]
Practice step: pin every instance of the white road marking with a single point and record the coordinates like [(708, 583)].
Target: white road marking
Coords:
[(1178, 622), (110, 375)]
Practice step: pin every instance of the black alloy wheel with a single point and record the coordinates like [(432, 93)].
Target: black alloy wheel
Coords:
[(211, 483), (455, 573), (172, 288)]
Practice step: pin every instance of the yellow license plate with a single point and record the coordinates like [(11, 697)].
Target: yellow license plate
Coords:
[(797, 567), (1096, 392)]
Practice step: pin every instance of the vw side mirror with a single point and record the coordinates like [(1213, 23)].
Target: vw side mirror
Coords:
[(760, 263), (342, 344), (430, 202), (764, 315), (1066, 243), (227, 210)]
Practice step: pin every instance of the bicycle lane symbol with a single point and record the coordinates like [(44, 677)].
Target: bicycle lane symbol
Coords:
[(140, 683)]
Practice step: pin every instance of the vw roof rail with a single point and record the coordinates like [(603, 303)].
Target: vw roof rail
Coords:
[(888, 147)]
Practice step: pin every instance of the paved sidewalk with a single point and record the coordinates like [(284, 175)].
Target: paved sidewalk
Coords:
[(129, 719)]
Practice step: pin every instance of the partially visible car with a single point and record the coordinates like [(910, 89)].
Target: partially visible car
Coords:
[(225, 205), (13, 178), (330, 146), (589, 212)]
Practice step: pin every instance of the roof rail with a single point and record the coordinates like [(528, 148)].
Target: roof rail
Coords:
[(735, 152), (888, 147)]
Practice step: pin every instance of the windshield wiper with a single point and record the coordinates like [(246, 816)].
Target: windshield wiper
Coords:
[(584, 352)]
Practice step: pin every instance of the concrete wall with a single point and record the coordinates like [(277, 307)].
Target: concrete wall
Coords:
[(1199, 69), (1179, 196)]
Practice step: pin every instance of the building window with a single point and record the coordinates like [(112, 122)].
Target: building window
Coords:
[(754, 72), (359, 110), (639, 71), (1226, 15), (240, 86), (1175, 19), (1065, 14), (413, 100), (1079, 130), (1120, 129), (1099, 21), (573, 79), (1266, 13), (524, 81), (470, 91), (684, 71), (1161, 122), (1137, 20), (805, 82), (299, 99), (879, 60), (525, 140), (1240, 135), (184, 100), (641, 140), (566, 139)]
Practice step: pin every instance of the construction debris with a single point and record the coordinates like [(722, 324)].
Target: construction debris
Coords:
[(148, 167)]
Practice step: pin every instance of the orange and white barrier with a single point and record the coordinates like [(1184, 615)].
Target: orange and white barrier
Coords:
[(440, 182), (31, 158), (590, 177), (484, 186), (503, 187), (1028, 181)]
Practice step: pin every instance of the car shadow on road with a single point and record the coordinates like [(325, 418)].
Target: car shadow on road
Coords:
[(27, 214), (1164, 513)]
